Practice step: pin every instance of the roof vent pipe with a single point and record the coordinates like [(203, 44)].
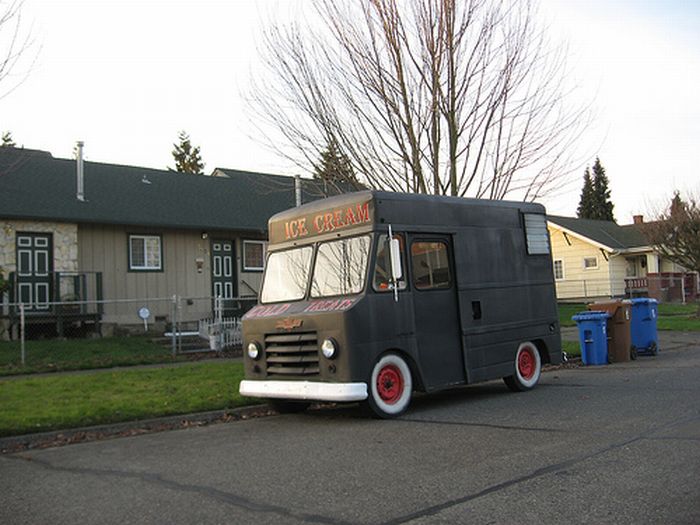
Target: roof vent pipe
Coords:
[(81, 179), (297, 189)]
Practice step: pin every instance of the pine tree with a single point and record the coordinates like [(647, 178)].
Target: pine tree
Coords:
[(187, 158), (6, 141), (677, 207), (585, 206), (334, 166), (603, 205), (595, 200)]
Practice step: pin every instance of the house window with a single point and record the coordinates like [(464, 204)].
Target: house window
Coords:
[(631, 268), (558, 269), (145, 253), (536, 234), (253, 256), (590, 263)]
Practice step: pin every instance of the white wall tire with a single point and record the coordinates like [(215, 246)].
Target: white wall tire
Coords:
[(390, 387), (527, 368)]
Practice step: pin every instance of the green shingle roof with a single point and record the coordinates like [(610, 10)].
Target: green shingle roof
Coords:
[(607, 233), (36, 186)]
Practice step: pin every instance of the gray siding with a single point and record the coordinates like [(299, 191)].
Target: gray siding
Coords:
[(104, 248)]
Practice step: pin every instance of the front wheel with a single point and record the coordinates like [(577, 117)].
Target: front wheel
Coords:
[(528, 367), (390, 387)]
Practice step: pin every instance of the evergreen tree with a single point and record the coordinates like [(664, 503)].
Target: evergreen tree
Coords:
[(677, 207), (6, 141), (334, 166), (187, 158), (585, 205), (595, 200), (603, 205)]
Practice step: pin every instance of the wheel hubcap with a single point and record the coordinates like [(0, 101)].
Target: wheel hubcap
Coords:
[(390, 384), (526, 363)]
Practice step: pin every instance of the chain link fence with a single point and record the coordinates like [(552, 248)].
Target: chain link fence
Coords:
[(181, 324), (665, 287)]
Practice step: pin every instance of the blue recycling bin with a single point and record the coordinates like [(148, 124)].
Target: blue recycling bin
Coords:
[(593, 337), (645, 339)]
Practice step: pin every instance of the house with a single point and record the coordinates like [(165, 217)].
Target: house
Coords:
[(601, 259), (133, 237)]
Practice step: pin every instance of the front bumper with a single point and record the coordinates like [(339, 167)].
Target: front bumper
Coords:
[(309, 390)]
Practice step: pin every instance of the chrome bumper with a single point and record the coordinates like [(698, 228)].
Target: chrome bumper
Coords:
[(309, 390)]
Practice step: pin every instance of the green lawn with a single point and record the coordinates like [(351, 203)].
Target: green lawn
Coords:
[(671, 316), (79, 354), (571, 348), (67, 401)]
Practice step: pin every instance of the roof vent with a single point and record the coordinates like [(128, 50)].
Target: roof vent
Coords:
[(145, 180), (80, 193)]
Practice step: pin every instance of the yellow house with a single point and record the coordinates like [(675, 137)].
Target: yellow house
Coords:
[(601, 259)]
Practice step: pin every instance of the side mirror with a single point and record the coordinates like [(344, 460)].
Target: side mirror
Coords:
[(395, 251)]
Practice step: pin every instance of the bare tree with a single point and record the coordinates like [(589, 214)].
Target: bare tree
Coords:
[(675, 233), (458, 97), (15, 42)]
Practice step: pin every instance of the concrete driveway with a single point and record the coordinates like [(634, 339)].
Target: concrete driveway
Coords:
[(614, 444)]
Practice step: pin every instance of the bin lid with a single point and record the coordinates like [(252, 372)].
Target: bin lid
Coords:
[(590, 316), (608, 306), (643, 300)]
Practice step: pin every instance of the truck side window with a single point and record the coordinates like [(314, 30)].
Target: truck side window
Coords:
[(382, 269), (431, 267)]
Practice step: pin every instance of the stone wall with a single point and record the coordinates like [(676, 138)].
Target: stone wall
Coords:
[(65, 243)]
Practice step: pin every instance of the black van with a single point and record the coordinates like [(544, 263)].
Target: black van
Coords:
[(369, 296)]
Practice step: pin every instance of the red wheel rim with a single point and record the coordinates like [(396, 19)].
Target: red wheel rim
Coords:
[(390, 384), (526, 363)]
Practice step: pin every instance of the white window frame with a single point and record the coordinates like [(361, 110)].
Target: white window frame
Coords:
[(554, 267), (593, 257), (247, 268), (146, 267)]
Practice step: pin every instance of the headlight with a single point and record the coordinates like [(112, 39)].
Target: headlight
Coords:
[(253, 350), (329, 348)]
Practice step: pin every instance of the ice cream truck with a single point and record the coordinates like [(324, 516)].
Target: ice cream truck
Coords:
[(370, 296)]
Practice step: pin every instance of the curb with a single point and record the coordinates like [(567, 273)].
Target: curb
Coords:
[(56, 438)]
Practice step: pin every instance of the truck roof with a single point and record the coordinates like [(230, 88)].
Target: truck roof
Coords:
[(363, 210)]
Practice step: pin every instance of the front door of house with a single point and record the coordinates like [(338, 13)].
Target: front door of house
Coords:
[(34, 270), (223, 270)]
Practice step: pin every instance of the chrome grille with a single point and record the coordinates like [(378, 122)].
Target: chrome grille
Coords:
[(292, 354)]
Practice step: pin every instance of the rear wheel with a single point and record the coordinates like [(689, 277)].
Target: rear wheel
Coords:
[(284, 406), (528, 367), (390, 387)]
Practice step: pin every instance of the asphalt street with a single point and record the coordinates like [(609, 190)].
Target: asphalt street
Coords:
[(613, 444)]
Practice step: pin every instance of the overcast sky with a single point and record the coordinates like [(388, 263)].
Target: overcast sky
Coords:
[(125, 76)]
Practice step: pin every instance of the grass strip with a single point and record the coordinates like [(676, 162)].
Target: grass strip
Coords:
[(572, 348), (45, 403), (680, 317), (80, 354)]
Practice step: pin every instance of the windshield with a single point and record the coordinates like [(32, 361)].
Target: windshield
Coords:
[(286, 275), (340, 267)]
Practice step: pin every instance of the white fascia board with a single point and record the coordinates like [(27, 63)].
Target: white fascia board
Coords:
[(581, 237)]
